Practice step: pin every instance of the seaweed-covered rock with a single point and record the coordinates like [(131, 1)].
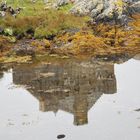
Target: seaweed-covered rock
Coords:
[(24, 48)]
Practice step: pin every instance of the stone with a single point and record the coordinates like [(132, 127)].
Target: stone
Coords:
[(135, 8), (23, 49), (2, 13), (3, 6), (57, 3), (137, 109), (62, 2), (4, 9), (61, 136), (106, 10)]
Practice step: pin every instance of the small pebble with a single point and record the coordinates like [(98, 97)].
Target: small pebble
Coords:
[(61, 136), (137, 109)]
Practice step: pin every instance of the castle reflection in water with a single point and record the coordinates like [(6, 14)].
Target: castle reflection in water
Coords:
[(72, 87)]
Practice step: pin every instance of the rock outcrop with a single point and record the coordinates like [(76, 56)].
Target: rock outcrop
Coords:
[(107, 10), (103, 10)]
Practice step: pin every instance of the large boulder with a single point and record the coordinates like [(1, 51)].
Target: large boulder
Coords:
[(106, 10)]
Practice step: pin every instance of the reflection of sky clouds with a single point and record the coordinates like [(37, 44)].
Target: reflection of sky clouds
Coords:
[(128, 76)]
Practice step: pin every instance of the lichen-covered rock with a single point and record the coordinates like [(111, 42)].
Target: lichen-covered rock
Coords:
[(98, 9), (135, 8), (62, 2), (57, 3), (6, 9), (106, 10), (102, 10)]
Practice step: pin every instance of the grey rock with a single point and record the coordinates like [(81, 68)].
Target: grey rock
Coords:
[(56, 3), (135, 7), (2, 13), (23, 49), (62, 2), (137, 109), (106, 10), (4, 8), (61, 136)]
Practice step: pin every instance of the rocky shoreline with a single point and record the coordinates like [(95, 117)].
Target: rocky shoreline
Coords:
[(95, 29)]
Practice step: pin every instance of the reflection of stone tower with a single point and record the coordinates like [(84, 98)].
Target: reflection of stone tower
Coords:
[(71, 87), (80, 110), (42, 104)]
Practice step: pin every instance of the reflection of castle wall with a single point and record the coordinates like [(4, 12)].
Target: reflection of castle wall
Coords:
[(72, 87), (80, 108)]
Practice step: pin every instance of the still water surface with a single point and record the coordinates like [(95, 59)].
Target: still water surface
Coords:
[(83, 101)]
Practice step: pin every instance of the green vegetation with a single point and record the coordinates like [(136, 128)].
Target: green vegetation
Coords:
[(35, 20), (43, 25)]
